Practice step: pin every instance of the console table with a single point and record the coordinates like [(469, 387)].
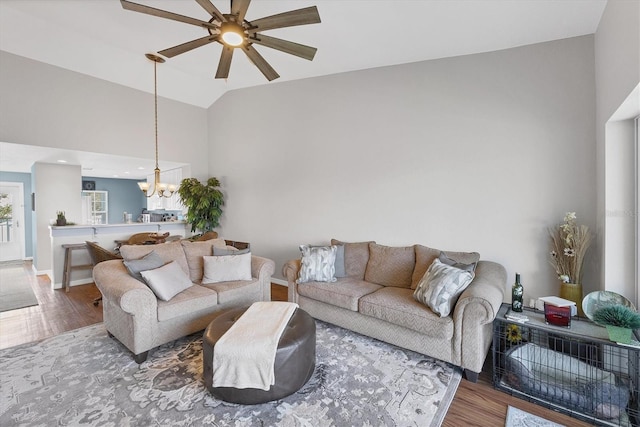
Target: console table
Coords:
[(575, 370)]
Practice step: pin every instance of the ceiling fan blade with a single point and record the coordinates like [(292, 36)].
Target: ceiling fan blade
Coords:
[(260, 62), (307, 15), (164, 14), (303, 51), (239, 8), (186, 47), (213, 11), (225, 62)]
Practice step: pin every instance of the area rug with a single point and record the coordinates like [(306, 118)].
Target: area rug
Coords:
[(83, 377), (519, 418), (15, 288)]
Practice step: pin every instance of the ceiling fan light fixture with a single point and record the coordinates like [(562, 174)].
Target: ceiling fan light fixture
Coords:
[(232, 34)]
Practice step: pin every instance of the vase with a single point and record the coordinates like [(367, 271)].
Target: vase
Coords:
[(619, 334), (573, 292), (61, 222)]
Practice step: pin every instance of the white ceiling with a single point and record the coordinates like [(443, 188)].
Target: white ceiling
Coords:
[(101, 39)]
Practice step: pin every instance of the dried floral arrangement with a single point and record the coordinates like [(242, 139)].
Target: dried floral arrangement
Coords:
[(569, 244)]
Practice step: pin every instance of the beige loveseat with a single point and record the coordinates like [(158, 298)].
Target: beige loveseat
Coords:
[(139, 320), (376, 299)]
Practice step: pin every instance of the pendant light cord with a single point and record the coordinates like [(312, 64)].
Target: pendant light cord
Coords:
[(155, 94)]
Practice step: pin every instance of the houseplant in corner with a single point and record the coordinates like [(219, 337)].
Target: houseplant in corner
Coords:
[(203, 202), (569, 244), (619, 320)]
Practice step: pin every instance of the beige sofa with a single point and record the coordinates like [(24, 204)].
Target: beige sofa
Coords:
[(376, 299), (139, 320)]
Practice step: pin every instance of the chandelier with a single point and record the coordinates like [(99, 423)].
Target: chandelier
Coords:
[(162, 190)]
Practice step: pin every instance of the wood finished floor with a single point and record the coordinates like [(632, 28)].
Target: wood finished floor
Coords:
[(476, 404)]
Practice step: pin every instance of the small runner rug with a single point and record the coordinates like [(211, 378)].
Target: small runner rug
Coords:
[(519, 418), (15, 288), (83, 377)]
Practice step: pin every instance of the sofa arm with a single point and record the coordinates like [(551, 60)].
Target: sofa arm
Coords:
[(474, 313), (290, 270), (263, 269), (487, 290), (117, 286)]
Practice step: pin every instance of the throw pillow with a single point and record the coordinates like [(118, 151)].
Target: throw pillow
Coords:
[(441, 286), (229, 250), (425, 256), (167, 281), (194, 251), (171, 251), (317, 264), (356, 256), (148, 262), (339, 264), (452, 262), (226, 268)]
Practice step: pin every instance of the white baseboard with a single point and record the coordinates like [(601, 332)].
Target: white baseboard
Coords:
[(280, 282), (74, 283)]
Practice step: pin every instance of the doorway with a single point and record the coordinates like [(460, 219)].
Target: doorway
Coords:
[(12, 233)]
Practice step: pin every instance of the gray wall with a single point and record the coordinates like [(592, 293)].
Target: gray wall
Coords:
[(44, 105), (474, 153)]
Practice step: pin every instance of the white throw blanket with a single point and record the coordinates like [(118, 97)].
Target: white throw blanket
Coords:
[(244, 356)]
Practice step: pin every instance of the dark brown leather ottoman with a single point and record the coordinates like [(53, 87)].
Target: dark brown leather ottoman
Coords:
[(294, 364)]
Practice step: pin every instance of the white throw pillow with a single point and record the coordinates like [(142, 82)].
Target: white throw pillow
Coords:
[(441, 286), (317, 264), (226, 268), (167, 281)]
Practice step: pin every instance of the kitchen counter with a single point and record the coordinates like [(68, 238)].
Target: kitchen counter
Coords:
[(106, 236)]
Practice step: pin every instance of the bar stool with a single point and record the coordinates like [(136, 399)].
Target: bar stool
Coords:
[(68, 265)]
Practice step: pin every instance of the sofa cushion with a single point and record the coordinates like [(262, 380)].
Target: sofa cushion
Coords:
[(190, 300), (441, 286), (167, 281), (194, 251), (356, 256), (148, 262), (425, 256), (390, 266), (171, 251), (317, 264), (344, 293), (397, 306), (237, 292)]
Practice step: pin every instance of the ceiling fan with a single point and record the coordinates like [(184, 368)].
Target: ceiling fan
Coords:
[(233, 31)]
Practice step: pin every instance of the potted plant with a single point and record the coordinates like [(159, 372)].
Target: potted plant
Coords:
[(619, 320), (61, 219), (203, 202)]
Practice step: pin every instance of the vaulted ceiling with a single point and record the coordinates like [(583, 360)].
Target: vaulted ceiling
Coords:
[(101, 39)]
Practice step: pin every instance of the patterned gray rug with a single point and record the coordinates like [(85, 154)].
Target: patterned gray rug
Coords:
[(83, 377)]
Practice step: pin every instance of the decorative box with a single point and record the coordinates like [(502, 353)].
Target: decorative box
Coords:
[(557, 316)]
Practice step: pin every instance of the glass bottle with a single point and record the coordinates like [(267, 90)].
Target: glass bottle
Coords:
[(517, 292)]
